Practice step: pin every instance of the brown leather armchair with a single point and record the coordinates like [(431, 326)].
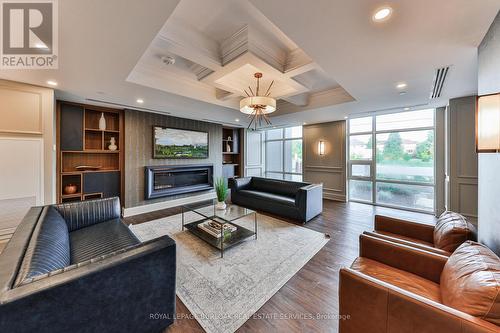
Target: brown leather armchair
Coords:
[(392, 287), (450, 231)]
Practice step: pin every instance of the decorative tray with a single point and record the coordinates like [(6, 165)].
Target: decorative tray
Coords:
[(87, 167)]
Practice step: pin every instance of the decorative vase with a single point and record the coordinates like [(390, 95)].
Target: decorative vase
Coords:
[(102, 122), (112, 144), (228, 147), (70, 189), (221, 205)]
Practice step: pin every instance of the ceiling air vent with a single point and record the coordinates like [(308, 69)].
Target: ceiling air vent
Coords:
[(438, 82)]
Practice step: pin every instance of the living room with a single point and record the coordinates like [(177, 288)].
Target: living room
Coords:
[(249, 166)]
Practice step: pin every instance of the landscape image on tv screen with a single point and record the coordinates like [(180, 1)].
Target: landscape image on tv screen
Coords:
[(178, 143)]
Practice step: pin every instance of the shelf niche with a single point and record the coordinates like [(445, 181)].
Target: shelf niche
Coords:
[(92, 118), (106, 162), (231, 152)]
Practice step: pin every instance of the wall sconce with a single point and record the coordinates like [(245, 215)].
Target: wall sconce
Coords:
[(321, 147), (488, 123)]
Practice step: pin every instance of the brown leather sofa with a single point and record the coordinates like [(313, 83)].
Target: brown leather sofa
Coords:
[(393, 287), (450, 231)]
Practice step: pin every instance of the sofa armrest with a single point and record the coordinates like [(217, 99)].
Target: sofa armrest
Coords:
[(236, 184), (424, 232), (375, 306), (422, 263), (12, 255), (309, 199), (134, 283)]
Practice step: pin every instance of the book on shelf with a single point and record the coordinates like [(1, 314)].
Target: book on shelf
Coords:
[(201, 226), (216, 226)]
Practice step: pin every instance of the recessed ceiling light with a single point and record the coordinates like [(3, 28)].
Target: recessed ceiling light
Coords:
[(304, 123), (346, 117), (140, 101), (406, 109), (236, 120), (401, 85), (382, 14), (52, 83)]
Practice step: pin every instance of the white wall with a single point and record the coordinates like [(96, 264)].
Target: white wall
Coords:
[(27, 137), (21, 174)]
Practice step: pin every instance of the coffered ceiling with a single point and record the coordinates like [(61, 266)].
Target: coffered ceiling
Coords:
[(217, 54), (328, 57)]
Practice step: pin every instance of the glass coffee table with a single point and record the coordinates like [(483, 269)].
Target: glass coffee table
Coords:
[(218, 227)]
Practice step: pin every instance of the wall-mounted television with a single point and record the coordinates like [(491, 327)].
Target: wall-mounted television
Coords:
[(179, 143)]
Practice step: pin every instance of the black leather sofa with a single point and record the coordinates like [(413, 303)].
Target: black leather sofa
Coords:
[(77, 267), (295, 200)]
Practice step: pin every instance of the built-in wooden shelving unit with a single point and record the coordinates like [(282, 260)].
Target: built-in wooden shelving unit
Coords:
[(231, 152), (80, 142)]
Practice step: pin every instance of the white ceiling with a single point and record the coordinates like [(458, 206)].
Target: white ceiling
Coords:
[(369, 59), (100, 43), (218, 54)]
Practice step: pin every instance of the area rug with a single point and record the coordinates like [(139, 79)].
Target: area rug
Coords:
[(222, 293)]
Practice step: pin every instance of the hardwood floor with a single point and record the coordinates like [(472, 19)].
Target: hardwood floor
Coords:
[(313, 291)]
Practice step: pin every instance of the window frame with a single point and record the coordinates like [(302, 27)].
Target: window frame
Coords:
[(282, 141), (373, 162)]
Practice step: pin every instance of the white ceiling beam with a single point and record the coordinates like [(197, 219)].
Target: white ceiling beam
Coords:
[(224, 95), (301, 70), (296, 60), (318, 100), (190, 44), (299, 100)]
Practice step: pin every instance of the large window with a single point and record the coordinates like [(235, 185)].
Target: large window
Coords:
[(391, 160), (284, 153)]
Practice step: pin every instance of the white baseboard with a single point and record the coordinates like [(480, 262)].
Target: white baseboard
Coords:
[(166, 204), (334, 197)]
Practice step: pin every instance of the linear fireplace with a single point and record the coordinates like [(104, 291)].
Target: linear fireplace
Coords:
[(162, 181)]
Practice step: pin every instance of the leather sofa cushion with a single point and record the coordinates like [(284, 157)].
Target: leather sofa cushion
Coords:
[(268, 196), (85, 213), (399, 278), (48, 248), (451, 230), (470, 281), (99, 239), (276, 186)]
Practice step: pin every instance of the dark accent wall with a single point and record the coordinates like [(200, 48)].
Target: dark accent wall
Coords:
[(139, 151), (489, 163)]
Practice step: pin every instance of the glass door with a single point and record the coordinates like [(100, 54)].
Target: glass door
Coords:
[(360, 162), (391, 160)]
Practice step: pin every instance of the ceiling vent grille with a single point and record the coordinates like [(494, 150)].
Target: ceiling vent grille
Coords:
[(438, 82)]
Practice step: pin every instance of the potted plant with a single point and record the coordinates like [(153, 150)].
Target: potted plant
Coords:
[(221, 190)]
